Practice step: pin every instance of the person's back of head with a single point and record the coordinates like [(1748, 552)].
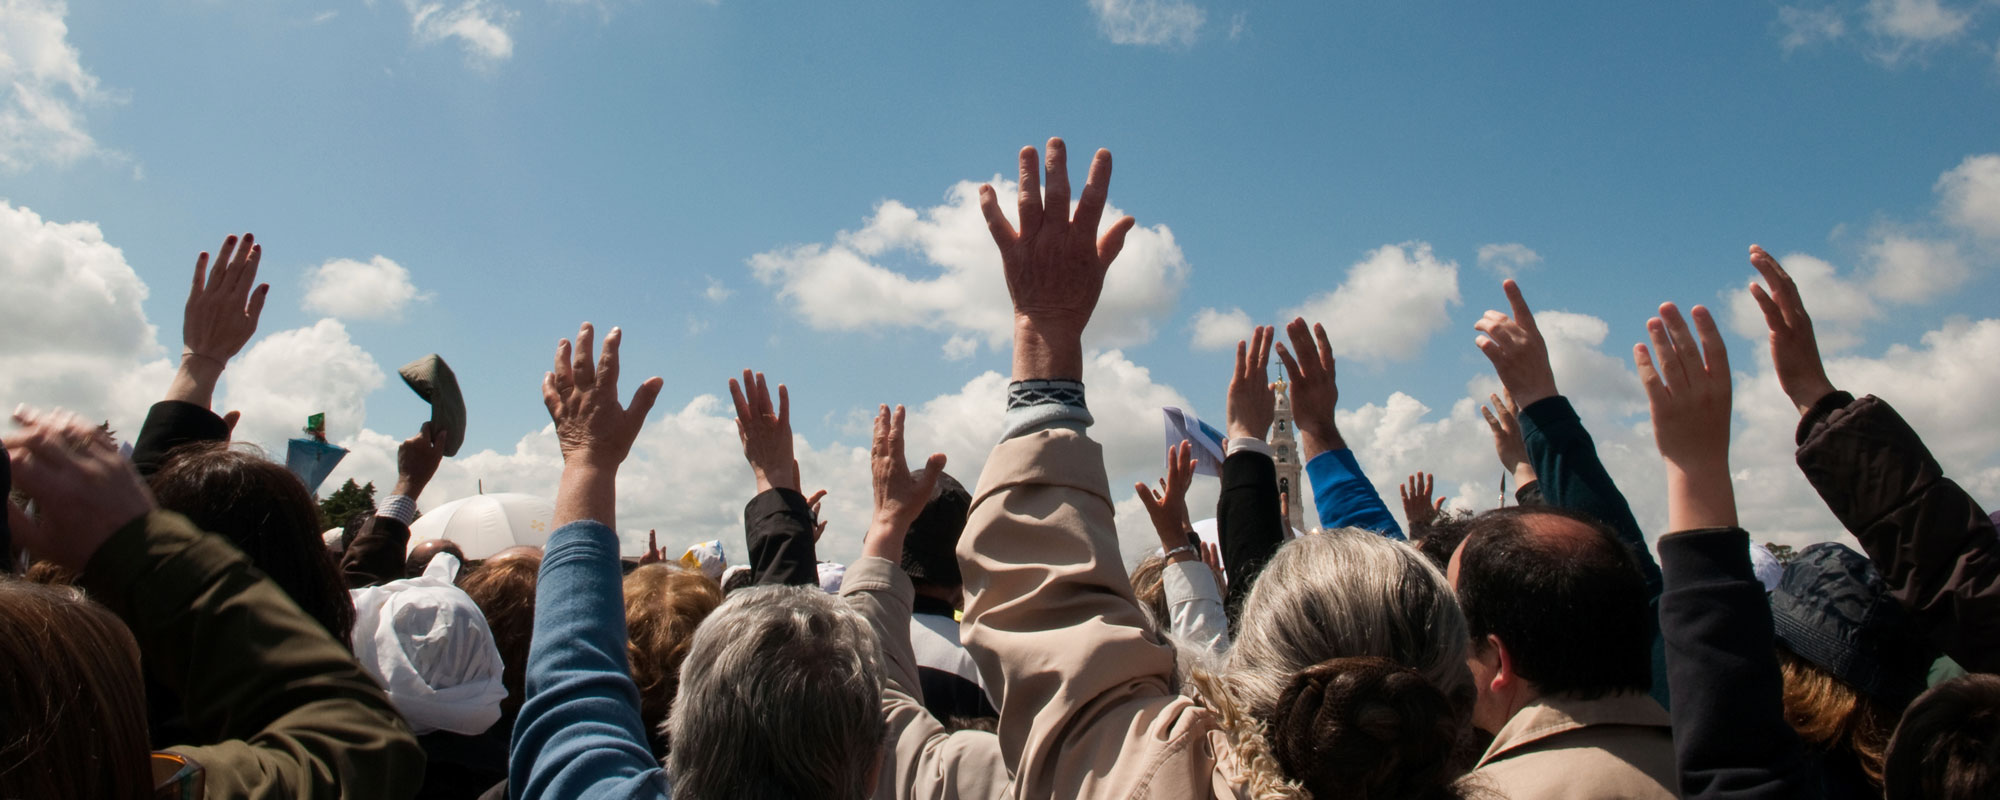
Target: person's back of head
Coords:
[(420, 556), (1366, 727), (428, 644), (780, 697), (72, 706), (664, 606), (930, 551), (1948, 745), (1563, 595), (267, 513), (504, 589)]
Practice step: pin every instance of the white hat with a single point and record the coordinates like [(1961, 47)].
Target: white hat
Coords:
[(427, 643), (707, 558)]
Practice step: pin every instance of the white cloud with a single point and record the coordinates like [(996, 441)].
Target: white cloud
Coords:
[(374, 289), (716, 292), (73, 322), (43, 88), (324, 17), (960, 347), (1915, 21), (1393, 300), (1969, 195), (1239, 24), (1911, 269), (1837, 306), (1221, 330), (290, 375), (938, 269), (1149, 22), (1804, 27), (479, 26), (1508, 260)]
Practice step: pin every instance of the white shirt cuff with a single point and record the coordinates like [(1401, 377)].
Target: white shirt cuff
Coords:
[(398, 508), (1247, 443)]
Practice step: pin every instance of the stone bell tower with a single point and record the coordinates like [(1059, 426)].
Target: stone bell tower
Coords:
[(1285, 451)]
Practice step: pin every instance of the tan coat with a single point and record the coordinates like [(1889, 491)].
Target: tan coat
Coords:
[(1565, 749), (1084, 686)]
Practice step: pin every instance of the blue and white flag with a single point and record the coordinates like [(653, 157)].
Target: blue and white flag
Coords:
[(312, 460), (1209, 443)]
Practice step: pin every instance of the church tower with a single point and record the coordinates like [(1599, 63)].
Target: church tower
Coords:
[(1285, 451)]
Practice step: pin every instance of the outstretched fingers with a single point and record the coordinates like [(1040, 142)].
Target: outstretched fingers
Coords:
[(1096, 188), (1519, 302), (1030, 208), (1055, 186), (1113, 241), (584, 374), (996, 222)]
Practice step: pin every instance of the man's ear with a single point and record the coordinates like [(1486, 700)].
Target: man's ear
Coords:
[(1501, 661)]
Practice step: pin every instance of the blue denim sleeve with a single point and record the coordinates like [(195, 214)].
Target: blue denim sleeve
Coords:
[(1344, 496), (579, 734)]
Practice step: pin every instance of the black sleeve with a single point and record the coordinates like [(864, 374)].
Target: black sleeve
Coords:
[(778, 526), (377, 553), (1248, 521), (170, 424), (1731, 739)]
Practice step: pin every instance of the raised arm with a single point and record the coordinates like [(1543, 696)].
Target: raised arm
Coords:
[(579, 733), (1341, 490), (1504, 420), (1560, 451), (1934, 545), (779, 523), (1731, 739), (292, 714), (1194, 600), (1250, 517), (220, 317), (377, 553)]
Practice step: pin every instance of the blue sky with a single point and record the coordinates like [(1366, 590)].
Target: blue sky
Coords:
[(532, 163)]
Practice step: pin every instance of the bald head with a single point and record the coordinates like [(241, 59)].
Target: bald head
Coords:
[(421, 555)]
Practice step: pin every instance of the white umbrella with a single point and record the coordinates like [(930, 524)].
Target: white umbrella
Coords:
[(488, 523)]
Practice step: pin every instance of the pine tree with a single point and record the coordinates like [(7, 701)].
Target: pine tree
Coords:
[(345, 503)]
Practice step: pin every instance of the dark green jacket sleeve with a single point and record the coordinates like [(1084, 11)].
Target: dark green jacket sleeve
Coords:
[(293, 714), (1571, 477)]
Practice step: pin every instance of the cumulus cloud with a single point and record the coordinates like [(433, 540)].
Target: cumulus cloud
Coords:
[(1915, 21), (74, 324), (716, 291), (43, 88), (1912, 269), (374, 289), (479, 26), (290, 375), (1391, 303), (1508, 260), (1220, 330), (937, 269), (1151, 22), (1804, 27), (960, 347), (1969, 195)]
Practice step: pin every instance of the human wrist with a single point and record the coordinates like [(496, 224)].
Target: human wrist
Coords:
[(410, 486), (1805, 398), (1320, 439), (884, 540), (1524, 473), (195, 380), (1532, 393), (588, 491), (1700, 494), (1045, 350)]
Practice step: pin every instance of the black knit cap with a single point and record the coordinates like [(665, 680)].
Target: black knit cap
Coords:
[(930, 552), (1834, 610)]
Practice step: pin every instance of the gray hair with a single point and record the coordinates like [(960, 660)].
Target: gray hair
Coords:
[(781, 697), (1346, 593)]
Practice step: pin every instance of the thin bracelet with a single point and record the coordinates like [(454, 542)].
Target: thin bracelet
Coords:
[(218, 362), (1186, 548)]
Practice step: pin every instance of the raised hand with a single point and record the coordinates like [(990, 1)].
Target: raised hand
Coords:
[(1515, 346), (653, 554), (900, 496), (1252, 404), (1688, 390), (766, 432), (1211, 554), (593, 429), (220, 317), (84, 489), (1794, 350), (417, 460), (1168, 507), (819, 525), (1055, 261), (1504, 419), (1314, 390), (1418, 509)]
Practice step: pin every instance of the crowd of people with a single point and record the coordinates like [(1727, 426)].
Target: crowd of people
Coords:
[(174, 625)]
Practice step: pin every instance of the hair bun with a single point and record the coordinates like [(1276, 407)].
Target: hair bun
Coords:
[(1364, 727)]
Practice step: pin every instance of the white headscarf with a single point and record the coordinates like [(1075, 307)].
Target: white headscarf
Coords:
[(427, 643)]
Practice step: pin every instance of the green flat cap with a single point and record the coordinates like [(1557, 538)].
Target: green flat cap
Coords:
[(433, 381)]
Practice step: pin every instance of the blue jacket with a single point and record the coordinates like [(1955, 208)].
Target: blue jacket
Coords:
[(1344, 496)]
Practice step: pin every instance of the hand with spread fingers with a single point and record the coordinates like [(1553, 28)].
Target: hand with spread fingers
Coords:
[(220, 317), (766, 432), (1252, 402), (1418, 508), (1688, 389), (1504, 419), (1794, 349), (1168, 507), (900, 495), (83, 489), (594, 430), (1054, 260), (1515, 346), (1314, 390)]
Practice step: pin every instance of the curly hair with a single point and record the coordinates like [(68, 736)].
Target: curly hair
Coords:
[(504, 589), (664, 604)]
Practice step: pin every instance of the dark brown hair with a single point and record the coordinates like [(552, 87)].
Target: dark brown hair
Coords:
[(72, 708), (664, 604), (1948, 746), (264, 510), (1831, 715), (1366, 727), (504, 589)]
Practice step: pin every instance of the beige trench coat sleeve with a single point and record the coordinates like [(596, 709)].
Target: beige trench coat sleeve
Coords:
[(921, 760), (1082, 683)]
